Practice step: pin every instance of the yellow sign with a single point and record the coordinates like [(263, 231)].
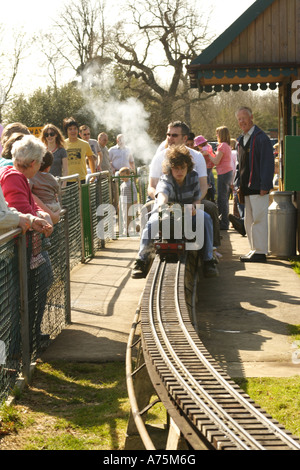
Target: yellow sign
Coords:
[(35, 130)]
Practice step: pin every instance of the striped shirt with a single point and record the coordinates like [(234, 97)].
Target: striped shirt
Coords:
[(188, 193)]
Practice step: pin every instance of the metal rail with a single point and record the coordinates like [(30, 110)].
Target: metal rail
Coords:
[(209, 404)]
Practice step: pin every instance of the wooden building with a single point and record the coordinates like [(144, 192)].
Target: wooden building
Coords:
[(260, 49)]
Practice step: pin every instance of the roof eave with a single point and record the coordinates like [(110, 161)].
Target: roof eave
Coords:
[(217, 46)]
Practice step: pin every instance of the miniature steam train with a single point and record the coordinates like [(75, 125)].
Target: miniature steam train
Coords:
[(171, 244)]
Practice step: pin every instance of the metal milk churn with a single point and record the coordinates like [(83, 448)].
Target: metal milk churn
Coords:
[(282, 220)]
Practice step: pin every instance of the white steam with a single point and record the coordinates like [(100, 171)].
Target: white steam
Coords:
[(127, 117), (130, 119)]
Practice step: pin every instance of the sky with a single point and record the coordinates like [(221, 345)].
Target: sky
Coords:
[(35, 17), (39, 15)]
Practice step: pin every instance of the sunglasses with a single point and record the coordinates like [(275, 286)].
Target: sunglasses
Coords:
[(173, 135), (50, 134)]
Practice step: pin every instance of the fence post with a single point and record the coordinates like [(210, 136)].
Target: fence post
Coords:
[(68, 277), (24, 313), (81, 220)]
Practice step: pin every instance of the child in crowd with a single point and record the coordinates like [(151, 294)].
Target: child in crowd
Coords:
[(45, 186), (128, 198)]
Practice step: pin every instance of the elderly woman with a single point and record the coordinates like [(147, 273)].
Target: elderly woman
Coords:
[(6, 153), (10, 219), (27, 155)]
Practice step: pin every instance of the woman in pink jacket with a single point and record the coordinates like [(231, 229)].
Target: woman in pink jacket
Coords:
[(223, 163), (27, 155)]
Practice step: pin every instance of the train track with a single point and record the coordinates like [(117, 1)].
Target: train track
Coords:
[(205, 405)]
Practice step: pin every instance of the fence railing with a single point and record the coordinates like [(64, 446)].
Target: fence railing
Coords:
[(35, 298), (35, 303)]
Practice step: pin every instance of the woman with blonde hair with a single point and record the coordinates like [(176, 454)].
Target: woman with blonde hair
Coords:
[(223, 163), (52, 137)]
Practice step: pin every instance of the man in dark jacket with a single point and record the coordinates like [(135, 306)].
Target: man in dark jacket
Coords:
[(255, 172)]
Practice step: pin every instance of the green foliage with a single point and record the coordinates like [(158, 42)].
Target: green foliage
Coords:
[(49, 106), (220, 111)]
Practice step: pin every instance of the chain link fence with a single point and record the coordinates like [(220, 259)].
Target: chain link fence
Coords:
[(35, 302)]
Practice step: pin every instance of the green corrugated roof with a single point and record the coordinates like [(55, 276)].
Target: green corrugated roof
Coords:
[(232, 32)]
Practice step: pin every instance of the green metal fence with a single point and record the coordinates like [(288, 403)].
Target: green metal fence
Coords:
[(10, 326)]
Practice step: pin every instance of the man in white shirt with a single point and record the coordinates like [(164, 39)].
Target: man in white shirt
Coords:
[(120, 155), (176, 135)]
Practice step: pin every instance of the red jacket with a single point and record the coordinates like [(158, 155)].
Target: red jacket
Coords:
[(16, 191)]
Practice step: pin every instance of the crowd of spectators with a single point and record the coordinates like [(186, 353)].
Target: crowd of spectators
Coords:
[(30, 167)]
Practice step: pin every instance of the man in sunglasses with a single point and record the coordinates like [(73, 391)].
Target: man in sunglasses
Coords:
[(177, 134)]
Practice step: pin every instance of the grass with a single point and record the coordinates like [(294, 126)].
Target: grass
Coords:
[(295, 262), (71, 406), (9, 420), (279, 397)]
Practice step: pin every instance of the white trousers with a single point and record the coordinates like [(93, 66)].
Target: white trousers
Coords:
[(256, 222)]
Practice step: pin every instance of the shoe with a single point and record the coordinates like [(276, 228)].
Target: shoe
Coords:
[(238, 224), (210, 268), (140, 269), (216, 255), (254, 258)]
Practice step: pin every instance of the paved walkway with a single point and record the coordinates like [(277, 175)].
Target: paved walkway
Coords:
[(104, 300), (242, 316)]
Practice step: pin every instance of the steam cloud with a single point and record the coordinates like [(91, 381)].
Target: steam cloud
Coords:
[(127, 117)]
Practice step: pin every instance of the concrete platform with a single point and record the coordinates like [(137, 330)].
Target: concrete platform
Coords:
[(104, 300), (242, 316)]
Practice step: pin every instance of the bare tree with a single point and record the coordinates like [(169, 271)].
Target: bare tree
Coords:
[(78, 38), (10, 64), (161, 39)]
